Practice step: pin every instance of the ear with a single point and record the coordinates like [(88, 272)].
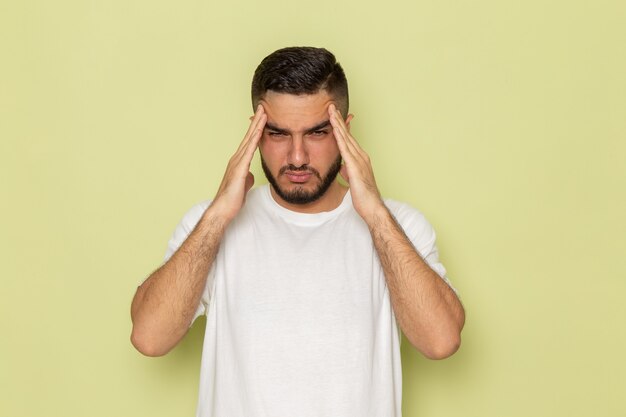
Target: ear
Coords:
[(348, 120)]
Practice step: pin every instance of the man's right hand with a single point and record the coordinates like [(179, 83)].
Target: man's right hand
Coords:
[(238, 179), (165, 303)]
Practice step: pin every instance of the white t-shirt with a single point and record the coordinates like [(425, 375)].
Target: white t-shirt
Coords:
[(299, 319)]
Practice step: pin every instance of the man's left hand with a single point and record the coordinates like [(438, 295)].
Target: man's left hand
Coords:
[(357, 169)]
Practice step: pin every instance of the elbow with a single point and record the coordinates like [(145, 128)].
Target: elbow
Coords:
[(144, 334), (439, 344), (444, 348), (449, 341), (146, 346)]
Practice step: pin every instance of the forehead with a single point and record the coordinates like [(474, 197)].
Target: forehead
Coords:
[(296, 112)]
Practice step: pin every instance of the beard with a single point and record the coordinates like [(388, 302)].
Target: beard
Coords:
[(299, 195)]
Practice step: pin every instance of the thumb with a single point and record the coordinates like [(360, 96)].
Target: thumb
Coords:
[(344, 173), (249, 181)]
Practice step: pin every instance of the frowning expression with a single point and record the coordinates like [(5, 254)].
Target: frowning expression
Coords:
[(299, 153)]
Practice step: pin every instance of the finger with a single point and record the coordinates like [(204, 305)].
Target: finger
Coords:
[(255, 119), (241, 160), (253, 143), (346, 153), (351, 143), (260, 111), (346, 133), (341, 133), (243, 157), (336, 120), (357, 162), (338, 134)]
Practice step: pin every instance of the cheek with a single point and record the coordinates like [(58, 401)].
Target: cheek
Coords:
[(272, 152), (267, 146), (326, 149)]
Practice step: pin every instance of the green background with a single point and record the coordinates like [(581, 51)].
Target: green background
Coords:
[(502, 121)]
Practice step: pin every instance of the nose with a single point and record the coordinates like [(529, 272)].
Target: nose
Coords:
[(298, 155)]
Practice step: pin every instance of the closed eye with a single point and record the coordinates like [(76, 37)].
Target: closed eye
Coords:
[(319, 133)]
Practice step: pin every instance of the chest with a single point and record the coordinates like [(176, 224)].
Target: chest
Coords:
[(281, 276)]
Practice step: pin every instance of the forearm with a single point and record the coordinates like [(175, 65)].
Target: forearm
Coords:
[(165, 303), (427, 309)]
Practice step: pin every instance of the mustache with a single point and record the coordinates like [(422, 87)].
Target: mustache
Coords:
[(302, 168)]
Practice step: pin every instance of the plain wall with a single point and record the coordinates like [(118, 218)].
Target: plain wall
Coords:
[(502, 121)]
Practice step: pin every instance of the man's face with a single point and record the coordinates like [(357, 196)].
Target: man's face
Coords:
[(299, 153)]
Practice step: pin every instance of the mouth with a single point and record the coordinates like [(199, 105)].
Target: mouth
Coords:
[(298, 177)]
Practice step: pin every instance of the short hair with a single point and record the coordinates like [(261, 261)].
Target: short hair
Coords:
[(301, 70)]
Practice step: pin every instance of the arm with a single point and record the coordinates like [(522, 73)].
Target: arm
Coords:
[(429, 313), (165, 303)]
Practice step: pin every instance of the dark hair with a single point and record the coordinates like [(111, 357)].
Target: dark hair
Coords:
[(301, 70)]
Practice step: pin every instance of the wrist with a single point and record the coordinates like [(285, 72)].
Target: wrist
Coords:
[(376, 214), (216, 216)]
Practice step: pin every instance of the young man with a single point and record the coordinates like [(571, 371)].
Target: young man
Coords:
[(304, 281)]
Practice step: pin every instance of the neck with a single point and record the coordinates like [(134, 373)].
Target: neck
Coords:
[(328, 202)]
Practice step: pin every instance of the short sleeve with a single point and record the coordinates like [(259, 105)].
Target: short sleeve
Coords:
[(182, 231), (421, 234)]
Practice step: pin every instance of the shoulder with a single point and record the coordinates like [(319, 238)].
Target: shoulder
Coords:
[(193, 215), (185, 226), (406, 214), (413, 222), (420, 233), (399, 208)]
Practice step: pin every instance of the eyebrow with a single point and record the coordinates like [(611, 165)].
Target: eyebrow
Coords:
[(277, 129)]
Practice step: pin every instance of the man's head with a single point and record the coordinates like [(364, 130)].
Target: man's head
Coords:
[(299, 153), (298, 71)]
